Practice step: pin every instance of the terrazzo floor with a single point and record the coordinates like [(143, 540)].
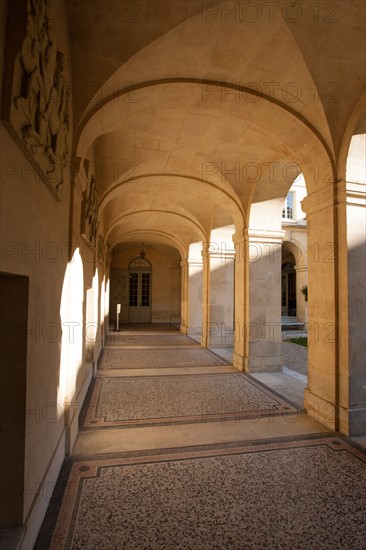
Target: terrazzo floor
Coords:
[(161, 358), (171, 399), (133, 339), (307, 494), (201, 459)]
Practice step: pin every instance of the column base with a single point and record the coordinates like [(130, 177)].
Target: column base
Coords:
[(320, 410), (265, 364), (225, 340), (194, 331), (265, 356), (272, 363), (239, 362), (352, 422)]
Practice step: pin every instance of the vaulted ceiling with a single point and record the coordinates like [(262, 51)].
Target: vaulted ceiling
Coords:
[(182, 110)]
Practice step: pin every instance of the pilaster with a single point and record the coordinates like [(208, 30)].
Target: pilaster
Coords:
[(263, 329), (184, 296), (195, 277), (321, 395), (352, 306), (241, 293), (221, 296)]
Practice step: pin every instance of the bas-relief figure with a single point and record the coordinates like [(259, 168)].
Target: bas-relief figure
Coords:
[(91, 212), (102, 249), (39, 111), (108, 256), (89, 215)]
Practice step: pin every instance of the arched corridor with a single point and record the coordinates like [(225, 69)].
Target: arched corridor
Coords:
[(150, 152)]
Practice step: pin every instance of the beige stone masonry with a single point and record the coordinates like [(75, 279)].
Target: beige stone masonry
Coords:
[(321, 394)]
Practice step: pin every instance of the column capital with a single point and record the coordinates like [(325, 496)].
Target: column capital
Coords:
[(239, 237), (322, 198), (220, 253), (265, 236), (333, 194)]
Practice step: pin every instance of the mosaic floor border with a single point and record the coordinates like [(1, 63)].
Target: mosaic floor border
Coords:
[(146, 328), (92, 419), (78, 470), (156, 358), (142, 340)]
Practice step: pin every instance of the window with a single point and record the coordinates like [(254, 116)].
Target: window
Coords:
[(288, 211), (139, 263)]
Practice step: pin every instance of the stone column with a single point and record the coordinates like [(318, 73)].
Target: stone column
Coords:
[(258, 300), (241, 293), (263, 330), (205, 296), (184, 297), (352, 308), (321, 394), (221, 306), (175, 295), (195, 277)]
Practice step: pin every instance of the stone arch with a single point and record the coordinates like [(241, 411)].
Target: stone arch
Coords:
[(156, 235), (354, 121), (105, 117), (164, 214), (221, 195), (101, 127)]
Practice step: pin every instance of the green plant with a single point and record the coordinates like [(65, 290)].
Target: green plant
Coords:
[(301, 341), (304, 290)]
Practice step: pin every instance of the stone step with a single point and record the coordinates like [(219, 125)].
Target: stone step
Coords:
[(293, 326), (291, 323)]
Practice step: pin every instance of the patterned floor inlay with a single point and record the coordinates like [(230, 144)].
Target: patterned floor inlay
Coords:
[(305, 495), (158, 358), (162, 400), (146, 327), (136, 339)]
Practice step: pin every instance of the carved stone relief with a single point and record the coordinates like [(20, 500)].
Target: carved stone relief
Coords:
[(102, 249), (108, 255), (89, 216), (39, 102)]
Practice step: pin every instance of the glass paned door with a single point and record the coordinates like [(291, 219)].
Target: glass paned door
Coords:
[(133, 289), (140, 297)]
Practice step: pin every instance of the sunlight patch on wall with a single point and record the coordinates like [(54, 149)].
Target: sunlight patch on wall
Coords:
[(356, 161), (92, 321), (71, 313)]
